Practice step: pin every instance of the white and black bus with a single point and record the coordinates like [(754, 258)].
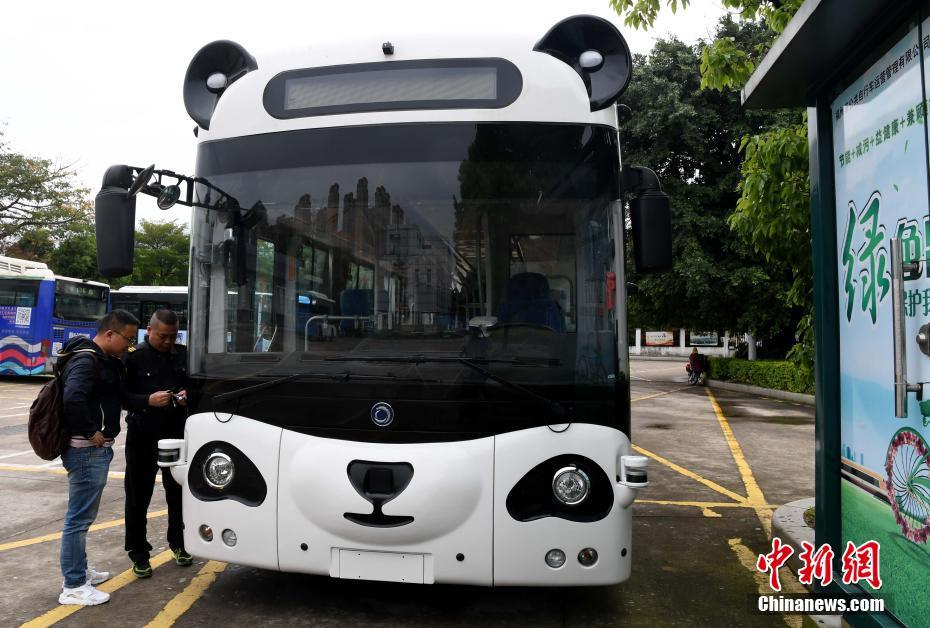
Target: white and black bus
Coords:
[(407, 307)]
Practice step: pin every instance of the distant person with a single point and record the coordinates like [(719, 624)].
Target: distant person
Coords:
[(156, 397), (696, 367), (92, 387)]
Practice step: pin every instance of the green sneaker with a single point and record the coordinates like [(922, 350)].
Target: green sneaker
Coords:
[(142, 569), (182, 558)]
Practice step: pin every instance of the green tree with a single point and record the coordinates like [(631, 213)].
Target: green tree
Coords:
[(76, 257), (771, 212), (690, 137), (35, 245), (35, 195), (162, 251)]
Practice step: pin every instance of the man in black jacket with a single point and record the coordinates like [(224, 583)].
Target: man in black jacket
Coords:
[(156, 397), (92, 389)]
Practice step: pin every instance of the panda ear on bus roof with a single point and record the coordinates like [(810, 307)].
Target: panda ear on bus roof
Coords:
[(215, 67), (596, 50)]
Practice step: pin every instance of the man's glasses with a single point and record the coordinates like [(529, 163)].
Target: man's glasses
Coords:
[(131, 341)]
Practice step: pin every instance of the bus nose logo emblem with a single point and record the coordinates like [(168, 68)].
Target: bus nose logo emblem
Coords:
[(382, 414)]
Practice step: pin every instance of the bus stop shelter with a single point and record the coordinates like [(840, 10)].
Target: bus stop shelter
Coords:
[(860, 67)]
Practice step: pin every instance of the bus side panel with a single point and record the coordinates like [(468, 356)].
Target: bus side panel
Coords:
[(255, 526), (449, 497), (520, 547)]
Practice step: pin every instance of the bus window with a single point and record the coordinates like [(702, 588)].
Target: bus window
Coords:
[(79, 302), (547, 263), (262, 297), (18, 292)]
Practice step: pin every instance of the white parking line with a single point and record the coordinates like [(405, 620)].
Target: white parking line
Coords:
[(18, 453), (10, 416)]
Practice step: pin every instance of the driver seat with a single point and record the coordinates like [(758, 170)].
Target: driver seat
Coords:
[(528, 300)]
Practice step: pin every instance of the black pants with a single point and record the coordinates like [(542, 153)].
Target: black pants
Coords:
[(141, 468)]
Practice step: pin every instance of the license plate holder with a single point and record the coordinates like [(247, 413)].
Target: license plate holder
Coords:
[(381, 566)]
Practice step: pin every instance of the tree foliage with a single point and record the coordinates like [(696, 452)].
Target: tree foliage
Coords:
[(773, 215), (37, 194), (76, 257), (162, 251), (691, 138), (770, 212)]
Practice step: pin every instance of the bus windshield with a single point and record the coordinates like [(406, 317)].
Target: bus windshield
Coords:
[(19, 292), (78, 301), (402, 250), (144, 304)]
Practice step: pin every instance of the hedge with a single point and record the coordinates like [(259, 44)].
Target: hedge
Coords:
[(776, 374)]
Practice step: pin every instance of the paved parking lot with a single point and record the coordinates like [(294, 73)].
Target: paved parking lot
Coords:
[(720, 463)]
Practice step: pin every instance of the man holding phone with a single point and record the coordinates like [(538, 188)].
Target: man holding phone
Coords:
[(156, 397)]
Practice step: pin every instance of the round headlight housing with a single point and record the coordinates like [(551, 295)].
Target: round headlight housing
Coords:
[(555, 558), (571, 485), (218, 470)]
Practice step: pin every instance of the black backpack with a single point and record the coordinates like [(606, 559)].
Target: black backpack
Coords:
[(48, 430)]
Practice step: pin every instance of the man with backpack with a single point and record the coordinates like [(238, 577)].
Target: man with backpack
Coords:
[(92, 377)]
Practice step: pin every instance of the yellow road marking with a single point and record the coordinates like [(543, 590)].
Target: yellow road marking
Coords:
[(54, 470), (61, 612), (789, 583), (663, 502), (57, 471), (186, 598), (57, 535), (754, 495), (668, 392), (31, 468), (691, 474), (707, 512)]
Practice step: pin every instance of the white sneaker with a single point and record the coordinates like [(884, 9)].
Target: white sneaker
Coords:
[(97, 577), (84, 595)]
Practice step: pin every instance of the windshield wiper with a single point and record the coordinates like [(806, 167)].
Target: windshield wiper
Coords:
[(473, 363), (420, 358), (343, 376)]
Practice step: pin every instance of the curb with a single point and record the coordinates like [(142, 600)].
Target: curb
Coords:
[(789, 525), (762, 392)]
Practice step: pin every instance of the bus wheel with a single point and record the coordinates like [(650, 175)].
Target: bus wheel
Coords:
[(909, 484)]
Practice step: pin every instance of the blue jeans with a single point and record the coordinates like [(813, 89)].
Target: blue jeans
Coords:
[(87, 475)]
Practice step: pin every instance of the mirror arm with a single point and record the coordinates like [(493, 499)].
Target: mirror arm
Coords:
[(639, 179), (225, 201)]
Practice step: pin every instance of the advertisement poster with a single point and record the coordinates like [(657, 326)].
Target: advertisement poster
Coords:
[(12, 316), (660, 339), (704, 339), (880, 166)]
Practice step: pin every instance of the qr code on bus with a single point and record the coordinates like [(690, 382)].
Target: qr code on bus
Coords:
[(23, 316)]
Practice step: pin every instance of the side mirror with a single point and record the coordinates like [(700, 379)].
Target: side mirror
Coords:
[(651, 218), (115, 219)]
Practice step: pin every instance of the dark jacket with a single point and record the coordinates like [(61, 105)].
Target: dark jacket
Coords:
[(149, 371), (91, 391), (696, 362)]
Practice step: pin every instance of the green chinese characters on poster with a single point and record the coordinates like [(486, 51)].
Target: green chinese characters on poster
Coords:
[(880, 167)]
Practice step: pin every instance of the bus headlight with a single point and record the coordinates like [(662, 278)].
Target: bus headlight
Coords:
[(218, 470), (571, 485), (555, 558)]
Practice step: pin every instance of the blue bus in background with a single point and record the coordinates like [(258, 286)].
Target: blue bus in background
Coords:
[(40, 311)]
